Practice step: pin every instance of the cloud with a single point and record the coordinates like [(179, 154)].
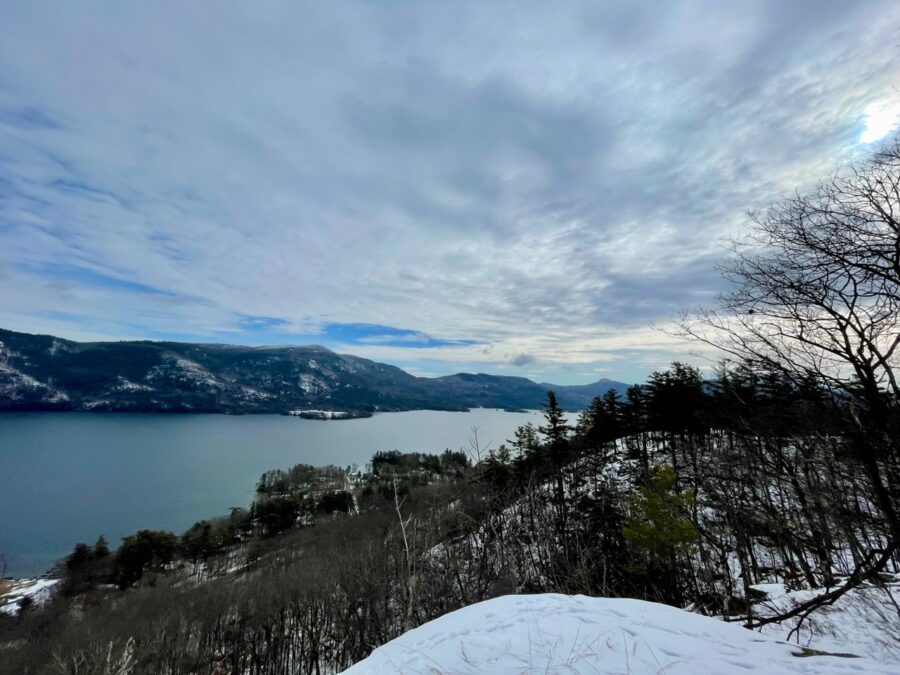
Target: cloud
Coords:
[(470, 180), (522, 360)]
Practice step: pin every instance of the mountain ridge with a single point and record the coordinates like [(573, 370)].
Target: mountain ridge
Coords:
[(44, 372)]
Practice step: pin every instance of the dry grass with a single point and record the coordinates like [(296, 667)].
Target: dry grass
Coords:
[(6, 585)]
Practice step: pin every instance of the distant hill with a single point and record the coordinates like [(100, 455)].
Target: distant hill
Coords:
[(42, 372), (578, 396)]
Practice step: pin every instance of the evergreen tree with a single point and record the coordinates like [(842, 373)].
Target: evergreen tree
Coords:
[(612, 405), (527, 447), (556, 432)]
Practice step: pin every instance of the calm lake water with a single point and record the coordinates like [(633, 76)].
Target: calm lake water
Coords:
[(69, 477)]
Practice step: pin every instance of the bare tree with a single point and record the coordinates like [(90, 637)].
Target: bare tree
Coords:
[(815, 294)]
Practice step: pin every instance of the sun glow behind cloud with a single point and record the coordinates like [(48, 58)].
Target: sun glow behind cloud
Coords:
[(881, 119)]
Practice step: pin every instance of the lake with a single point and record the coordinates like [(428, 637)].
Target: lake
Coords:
[(69, 477)]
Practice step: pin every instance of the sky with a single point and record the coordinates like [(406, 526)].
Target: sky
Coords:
[(520, 188)]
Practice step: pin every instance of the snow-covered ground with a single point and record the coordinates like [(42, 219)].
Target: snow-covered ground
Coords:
[(555, 633), (39, 590), (864, 621)]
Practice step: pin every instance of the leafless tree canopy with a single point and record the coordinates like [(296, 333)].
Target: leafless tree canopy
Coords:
[(816, 286), (815, 293)]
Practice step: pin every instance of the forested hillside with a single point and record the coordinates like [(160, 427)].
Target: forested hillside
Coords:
[(41, 372)]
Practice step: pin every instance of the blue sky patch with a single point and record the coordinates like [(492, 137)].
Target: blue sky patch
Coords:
[(274, 330), (388, 336)]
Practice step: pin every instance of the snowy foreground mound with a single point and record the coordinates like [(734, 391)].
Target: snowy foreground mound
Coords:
[(554, 633)]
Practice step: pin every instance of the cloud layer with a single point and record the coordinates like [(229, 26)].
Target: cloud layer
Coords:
[(507, 186)]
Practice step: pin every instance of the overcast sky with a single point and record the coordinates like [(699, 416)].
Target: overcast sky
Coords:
[(506, 187)]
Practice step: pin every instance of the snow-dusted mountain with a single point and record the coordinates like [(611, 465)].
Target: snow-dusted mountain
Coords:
[(41, 372)]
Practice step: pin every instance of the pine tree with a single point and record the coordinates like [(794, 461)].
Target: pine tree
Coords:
[(556, 431), (101, 548)]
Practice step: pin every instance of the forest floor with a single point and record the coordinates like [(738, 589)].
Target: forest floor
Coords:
[(865, 621)]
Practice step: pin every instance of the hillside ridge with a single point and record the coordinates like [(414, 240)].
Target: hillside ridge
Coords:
[(43, 372)]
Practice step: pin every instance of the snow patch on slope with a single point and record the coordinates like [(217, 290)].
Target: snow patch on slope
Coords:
[(554, 633), (864, 621), (15, 385), (124, 384), (311, 385), (185, 370), (56, 347), (39, 590)]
